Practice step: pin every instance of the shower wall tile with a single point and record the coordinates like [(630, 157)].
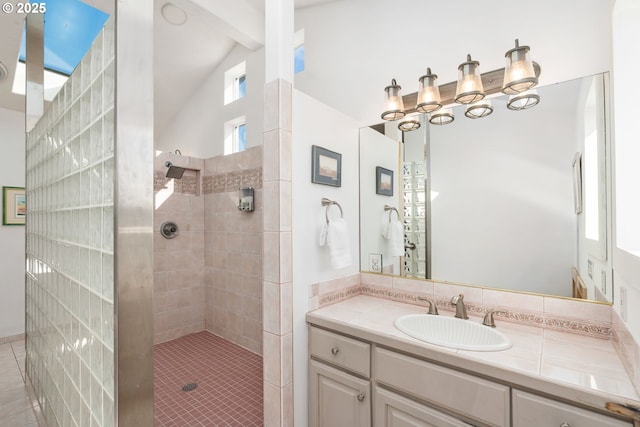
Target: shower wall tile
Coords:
[(179, 276), (70, 270), (233, 248)]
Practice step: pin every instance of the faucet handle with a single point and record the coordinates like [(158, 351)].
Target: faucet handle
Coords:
[(432, 305), (488, 319)]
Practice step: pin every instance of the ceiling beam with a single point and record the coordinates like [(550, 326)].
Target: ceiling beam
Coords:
[(237, 19)]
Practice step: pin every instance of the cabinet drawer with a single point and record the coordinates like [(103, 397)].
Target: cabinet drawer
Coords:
[(340, 350), (464, 394), (529, 409)]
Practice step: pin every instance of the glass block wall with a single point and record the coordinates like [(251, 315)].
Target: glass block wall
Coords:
[(415, 209), (70, 241)]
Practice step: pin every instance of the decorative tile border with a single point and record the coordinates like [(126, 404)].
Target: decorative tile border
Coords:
[(410, 292), (232, 181), (188, 184)]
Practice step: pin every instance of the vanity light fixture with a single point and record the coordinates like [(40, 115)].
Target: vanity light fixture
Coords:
[(522, 101), (443, 116), (409, 124), (469, 88), (393, 104), (428, 94), (479, 109), (519, 74), (516, 79)]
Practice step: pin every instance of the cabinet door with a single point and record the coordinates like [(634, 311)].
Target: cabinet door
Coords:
[(531, 410), (337, 399), (392, 410)]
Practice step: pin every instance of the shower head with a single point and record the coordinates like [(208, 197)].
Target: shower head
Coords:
[(175, 172)]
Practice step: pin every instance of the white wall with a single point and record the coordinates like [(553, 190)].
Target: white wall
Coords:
[(198, 129), (504, 215), (377, 150), (354, 48), (12, 261), (317, 124), (626, 257)]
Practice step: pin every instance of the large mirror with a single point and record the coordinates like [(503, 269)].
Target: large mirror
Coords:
[(516, 200)]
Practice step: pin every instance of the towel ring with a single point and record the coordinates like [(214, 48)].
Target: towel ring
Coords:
[(328, 203), (392, 209)]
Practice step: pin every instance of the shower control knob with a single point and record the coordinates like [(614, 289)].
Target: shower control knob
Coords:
[(361, 397), (335, 350), (169, 229)]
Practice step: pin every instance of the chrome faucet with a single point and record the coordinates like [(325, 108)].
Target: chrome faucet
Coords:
[(432, 305), (461, 310), (488, 319)]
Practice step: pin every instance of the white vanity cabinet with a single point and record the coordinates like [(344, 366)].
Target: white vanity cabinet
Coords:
[(357, 383), (339, 388), (532, 410)]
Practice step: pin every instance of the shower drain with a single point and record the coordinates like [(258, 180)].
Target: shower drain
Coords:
[(189, 387)]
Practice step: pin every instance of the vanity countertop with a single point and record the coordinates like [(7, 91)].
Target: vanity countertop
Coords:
[(577, 368)]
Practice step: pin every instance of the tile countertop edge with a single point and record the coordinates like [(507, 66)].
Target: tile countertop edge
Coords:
[(561, 391)]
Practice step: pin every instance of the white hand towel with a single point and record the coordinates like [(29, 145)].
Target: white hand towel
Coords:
[(394, 233), (335, 234)]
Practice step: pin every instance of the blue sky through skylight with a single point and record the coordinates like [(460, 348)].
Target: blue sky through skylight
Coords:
[(70, 26)]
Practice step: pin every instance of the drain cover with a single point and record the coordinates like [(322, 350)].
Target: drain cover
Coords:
[(189, 387)]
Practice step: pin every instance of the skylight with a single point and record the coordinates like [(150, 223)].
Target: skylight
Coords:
[(70, 27)]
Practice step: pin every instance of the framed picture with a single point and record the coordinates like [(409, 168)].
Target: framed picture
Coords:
[(14, 206), (384, 181), (326, 166)]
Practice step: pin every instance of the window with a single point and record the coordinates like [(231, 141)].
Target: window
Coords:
[(235, 83), (298, 51), (235, 138)]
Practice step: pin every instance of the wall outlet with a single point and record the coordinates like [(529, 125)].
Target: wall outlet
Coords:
[(375, 263), (623, 303)]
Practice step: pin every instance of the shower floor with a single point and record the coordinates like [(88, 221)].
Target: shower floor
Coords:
[(228, 377)]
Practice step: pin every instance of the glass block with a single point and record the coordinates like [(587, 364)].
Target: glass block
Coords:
[(83, 227), (406, 183), (420, 168), (420, 196), (97, 141), (85, 109), (107, 276), (85, 308), (108, 181), (96, 98), (420, 210), (85, 146), (95, 227), (108, 371), (420, 238), (96, 322), (96, 271), (109, 79), (108, 411), (86, 72), (107, 229), (108, 133), (84, 266), (96, 185), (107, 323), (408, 211), (419, 182), (96, 55), (407, 197), (407, 168), (96, 398)]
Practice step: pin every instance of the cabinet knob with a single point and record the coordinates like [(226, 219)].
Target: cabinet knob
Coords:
[(565, 425), (361, 397), (335, 350)]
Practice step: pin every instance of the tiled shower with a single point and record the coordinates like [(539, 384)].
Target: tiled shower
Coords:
[(210, 275), (70, 246)]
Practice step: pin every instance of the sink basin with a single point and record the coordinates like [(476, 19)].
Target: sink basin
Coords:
[(452, 332)]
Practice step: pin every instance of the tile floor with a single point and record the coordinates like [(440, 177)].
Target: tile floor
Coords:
[(228, 377), (16, 407)]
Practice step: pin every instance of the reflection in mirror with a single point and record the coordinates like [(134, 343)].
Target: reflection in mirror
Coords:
[(491, 201)]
